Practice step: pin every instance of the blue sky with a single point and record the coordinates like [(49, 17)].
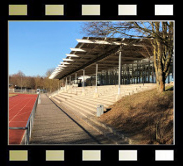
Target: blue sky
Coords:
[(36, 46)]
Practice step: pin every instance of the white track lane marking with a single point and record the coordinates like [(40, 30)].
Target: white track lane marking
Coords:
[(19, 111), (16, 104)]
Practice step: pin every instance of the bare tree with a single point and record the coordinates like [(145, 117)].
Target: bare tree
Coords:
[(30, 82), (159, 33), (39, 83), (50, 84), (21, 80)]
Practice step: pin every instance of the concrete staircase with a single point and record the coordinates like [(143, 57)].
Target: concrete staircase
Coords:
[(86, 104)]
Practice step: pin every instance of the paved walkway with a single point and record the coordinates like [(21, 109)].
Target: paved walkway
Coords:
[(52, 125)]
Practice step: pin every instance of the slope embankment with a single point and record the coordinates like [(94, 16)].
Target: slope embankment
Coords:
[(145, 117)]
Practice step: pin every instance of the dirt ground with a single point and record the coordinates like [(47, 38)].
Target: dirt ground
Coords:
[(145, 117)]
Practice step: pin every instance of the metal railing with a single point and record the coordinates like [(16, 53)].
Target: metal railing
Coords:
[(31, 91), (29, 124)]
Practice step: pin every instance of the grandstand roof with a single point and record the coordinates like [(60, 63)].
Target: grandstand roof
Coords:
[(104, 51)]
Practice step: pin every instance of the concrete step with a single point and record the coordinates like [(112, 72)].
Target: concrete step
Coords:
[(111, 135), (144, 88), (106, 131), (90, 97), (111, 96), (78, 110), (87, 109), (122, 90), (68, 94), (116, 139), (59, 99), (55, 99), (92, 102), (64, 96), (101, 100), (84, 103)]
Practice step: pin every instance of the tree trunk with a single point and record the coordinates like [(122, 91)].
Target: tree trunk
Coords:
[(162, 86), (161, 81), (160, 76)]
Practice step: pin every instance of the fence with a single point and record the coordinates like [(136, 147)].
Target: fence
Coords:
[(22, 90), (29, 124)]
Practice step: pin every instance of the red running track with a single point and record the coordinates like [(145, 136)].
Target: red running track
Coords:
[(20, 108)]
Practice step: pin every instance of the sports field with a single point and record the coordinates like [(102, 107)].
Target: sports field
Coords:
[(20, 107)]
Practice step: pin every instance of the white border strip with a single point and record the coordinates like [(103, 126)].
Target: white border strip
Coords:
[(127, 155), (163, 10), (91, 155), (164, 155)]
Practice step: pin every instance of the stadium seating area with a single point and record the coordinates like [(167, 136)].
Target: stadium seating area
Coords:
[(86, 102)]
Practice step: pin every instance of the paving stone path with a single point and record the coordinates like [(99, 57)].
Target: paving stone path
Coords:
[(52, 125)]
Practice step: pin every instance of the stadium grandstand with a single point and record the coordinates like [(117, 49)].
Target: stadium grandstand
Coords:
[(106, 69)]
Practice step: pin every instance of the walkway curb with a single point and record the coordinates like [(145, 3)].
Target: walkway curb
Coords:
[(112, 130), (94, 123)]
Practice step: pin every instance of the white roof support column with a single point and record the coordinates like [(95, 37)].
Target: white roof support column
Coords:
[(70, 80), (96, 88), (66, 83), (58, 85), (119, 75), (83, 82), (75, 78)]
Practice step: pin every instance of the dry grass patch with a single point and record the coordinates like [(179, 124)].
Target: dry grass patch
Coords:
[(12, 94), (145, 117)]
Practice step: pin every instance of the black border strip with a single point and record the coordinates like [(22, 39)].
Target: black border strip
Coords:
[(73, 154)]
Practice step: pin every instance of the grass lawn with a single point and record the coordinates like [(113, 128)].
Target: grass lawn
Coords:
[(145, 117), (12, 94)]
